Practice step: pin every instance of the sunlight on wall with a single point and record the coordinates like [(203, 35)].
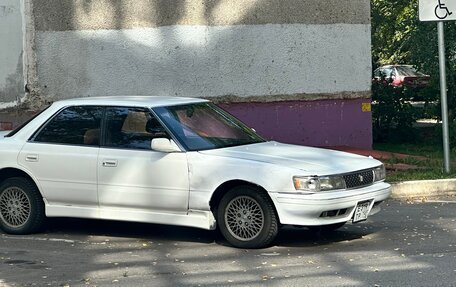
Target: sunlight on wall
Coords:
[(85, 11), (230, 10)]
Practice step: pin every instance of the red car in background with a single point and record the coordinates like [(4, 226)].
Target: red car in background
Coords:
[(401, 75)]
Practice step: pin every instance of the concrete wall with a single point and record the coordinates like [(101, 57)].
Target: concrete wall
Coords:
[(202, 48), (205, 61), (253, 55), (11, 46)]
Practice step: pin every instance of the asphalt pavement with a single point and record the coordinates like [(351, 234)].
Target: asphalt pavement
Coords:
[(409, 243)]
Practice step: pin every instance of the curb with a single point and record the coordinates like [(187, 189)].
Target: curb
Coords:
[(424, 188)]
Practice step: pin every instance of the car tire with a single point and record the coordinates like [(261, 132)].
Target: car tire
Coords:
[(21, 206), (326, 228), (246, 218)]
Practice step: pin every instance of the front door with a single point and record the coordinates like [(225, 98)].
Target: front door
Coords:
[(131, 176)]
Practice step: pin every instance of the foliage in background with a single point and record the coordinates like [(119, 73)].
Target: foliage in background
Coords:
[(398, 37), (429, 163), (392, 113)]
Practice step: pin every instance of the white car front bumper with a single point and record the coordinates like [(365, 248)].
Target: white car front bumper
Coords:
[(327, 207)]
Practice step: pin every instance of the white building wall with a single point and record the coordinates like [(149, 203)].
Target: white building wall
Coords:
[(247, 50), (280, 65), (11, 46), (205, 61)]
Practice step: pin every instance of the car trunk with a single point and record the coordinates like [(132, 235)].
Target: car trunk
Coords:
[(416, 81)]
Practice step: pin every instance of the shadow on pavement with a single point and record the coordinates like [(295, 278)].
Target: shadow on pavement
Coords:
[(303, 237), (288, 236)]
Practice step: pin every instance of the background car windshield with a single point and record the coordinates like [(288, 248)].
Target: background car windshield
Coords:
[(384, 73), (204, 126)]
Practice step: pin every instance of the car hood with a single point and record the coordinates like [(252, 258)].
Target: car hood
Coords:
[(313, 161), (4, 133)]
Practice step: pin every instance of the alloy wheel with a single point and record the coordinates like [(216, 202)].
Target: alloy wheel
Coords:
[(244, 218), (15, 207)]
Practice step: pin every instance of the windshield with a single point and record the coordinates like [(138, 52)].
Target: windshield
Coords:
[(383, 73), (204, 126)]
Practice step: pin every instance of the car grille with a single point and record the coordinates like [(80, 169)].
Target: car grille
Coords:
[(359, 179)]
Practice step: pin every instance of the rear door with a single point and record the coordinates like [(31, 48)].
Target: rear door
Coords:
[(63, 156)]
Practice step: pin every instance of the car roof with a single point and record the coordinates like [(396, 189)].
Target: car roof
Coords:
[(391, 66), (136, 101)]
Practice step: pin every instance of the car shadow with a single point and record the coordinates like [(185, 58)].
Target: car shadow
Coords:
[(79, 228), (289, 236)]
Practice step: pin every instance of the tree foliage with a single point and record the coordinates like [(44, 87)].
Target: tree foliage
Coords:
[(398, 37)]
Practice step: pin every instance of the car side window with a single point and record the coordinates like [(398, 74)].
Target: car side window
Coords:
[(393, 73), (78, 125), (132, 128)]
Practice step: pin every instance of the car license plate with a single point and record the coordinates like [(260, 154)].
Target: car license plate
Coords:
[(361, 211)]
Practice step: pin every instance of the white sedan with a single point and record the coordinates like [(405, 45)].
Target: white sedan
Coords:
[(179, 161)]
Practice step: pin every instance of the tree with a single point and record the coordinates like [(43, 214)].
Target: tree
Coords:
[(398, 37)]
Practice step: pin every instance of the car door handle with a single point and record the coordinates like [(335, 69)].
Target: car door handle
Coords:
[(110, 163), (31, 157)]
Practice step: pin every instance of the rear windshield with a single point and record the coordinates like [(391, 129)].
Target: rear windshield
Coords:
[(13, 132), (408, 71)]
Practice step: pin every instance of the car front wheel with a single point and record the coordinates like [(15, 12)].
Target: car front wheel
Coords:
[(21, 206), (246, 218)]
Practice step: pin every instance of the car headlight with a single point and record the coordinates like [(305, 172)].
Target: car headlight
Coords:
[(380, 173), (318, 183)]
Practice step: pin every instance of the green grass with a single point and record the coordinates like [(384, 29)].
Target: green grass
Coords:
[(432, 167)]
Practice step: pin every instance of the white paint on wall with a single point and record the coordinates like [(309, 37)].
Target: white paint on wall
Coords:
[(10, 48), (5, 105), (204, 61)]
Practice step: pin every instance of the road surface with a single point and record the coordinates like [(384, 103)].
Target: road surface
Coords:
[(407, 244)]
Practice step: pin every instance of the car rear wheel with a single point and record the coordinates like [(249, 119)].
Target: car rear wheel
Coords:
[(246, 218), (21, 206)]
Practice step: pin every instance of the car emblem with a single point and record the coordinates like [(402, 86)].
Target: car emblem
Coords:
[(361, 178)]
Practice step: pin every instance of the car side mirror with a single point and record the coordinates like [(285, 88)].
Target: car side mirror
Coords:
[(164, 145)]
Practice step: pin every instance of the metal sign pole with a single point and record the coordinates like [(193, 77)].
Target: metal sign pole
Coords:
[(439, 10), (443, 97)]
